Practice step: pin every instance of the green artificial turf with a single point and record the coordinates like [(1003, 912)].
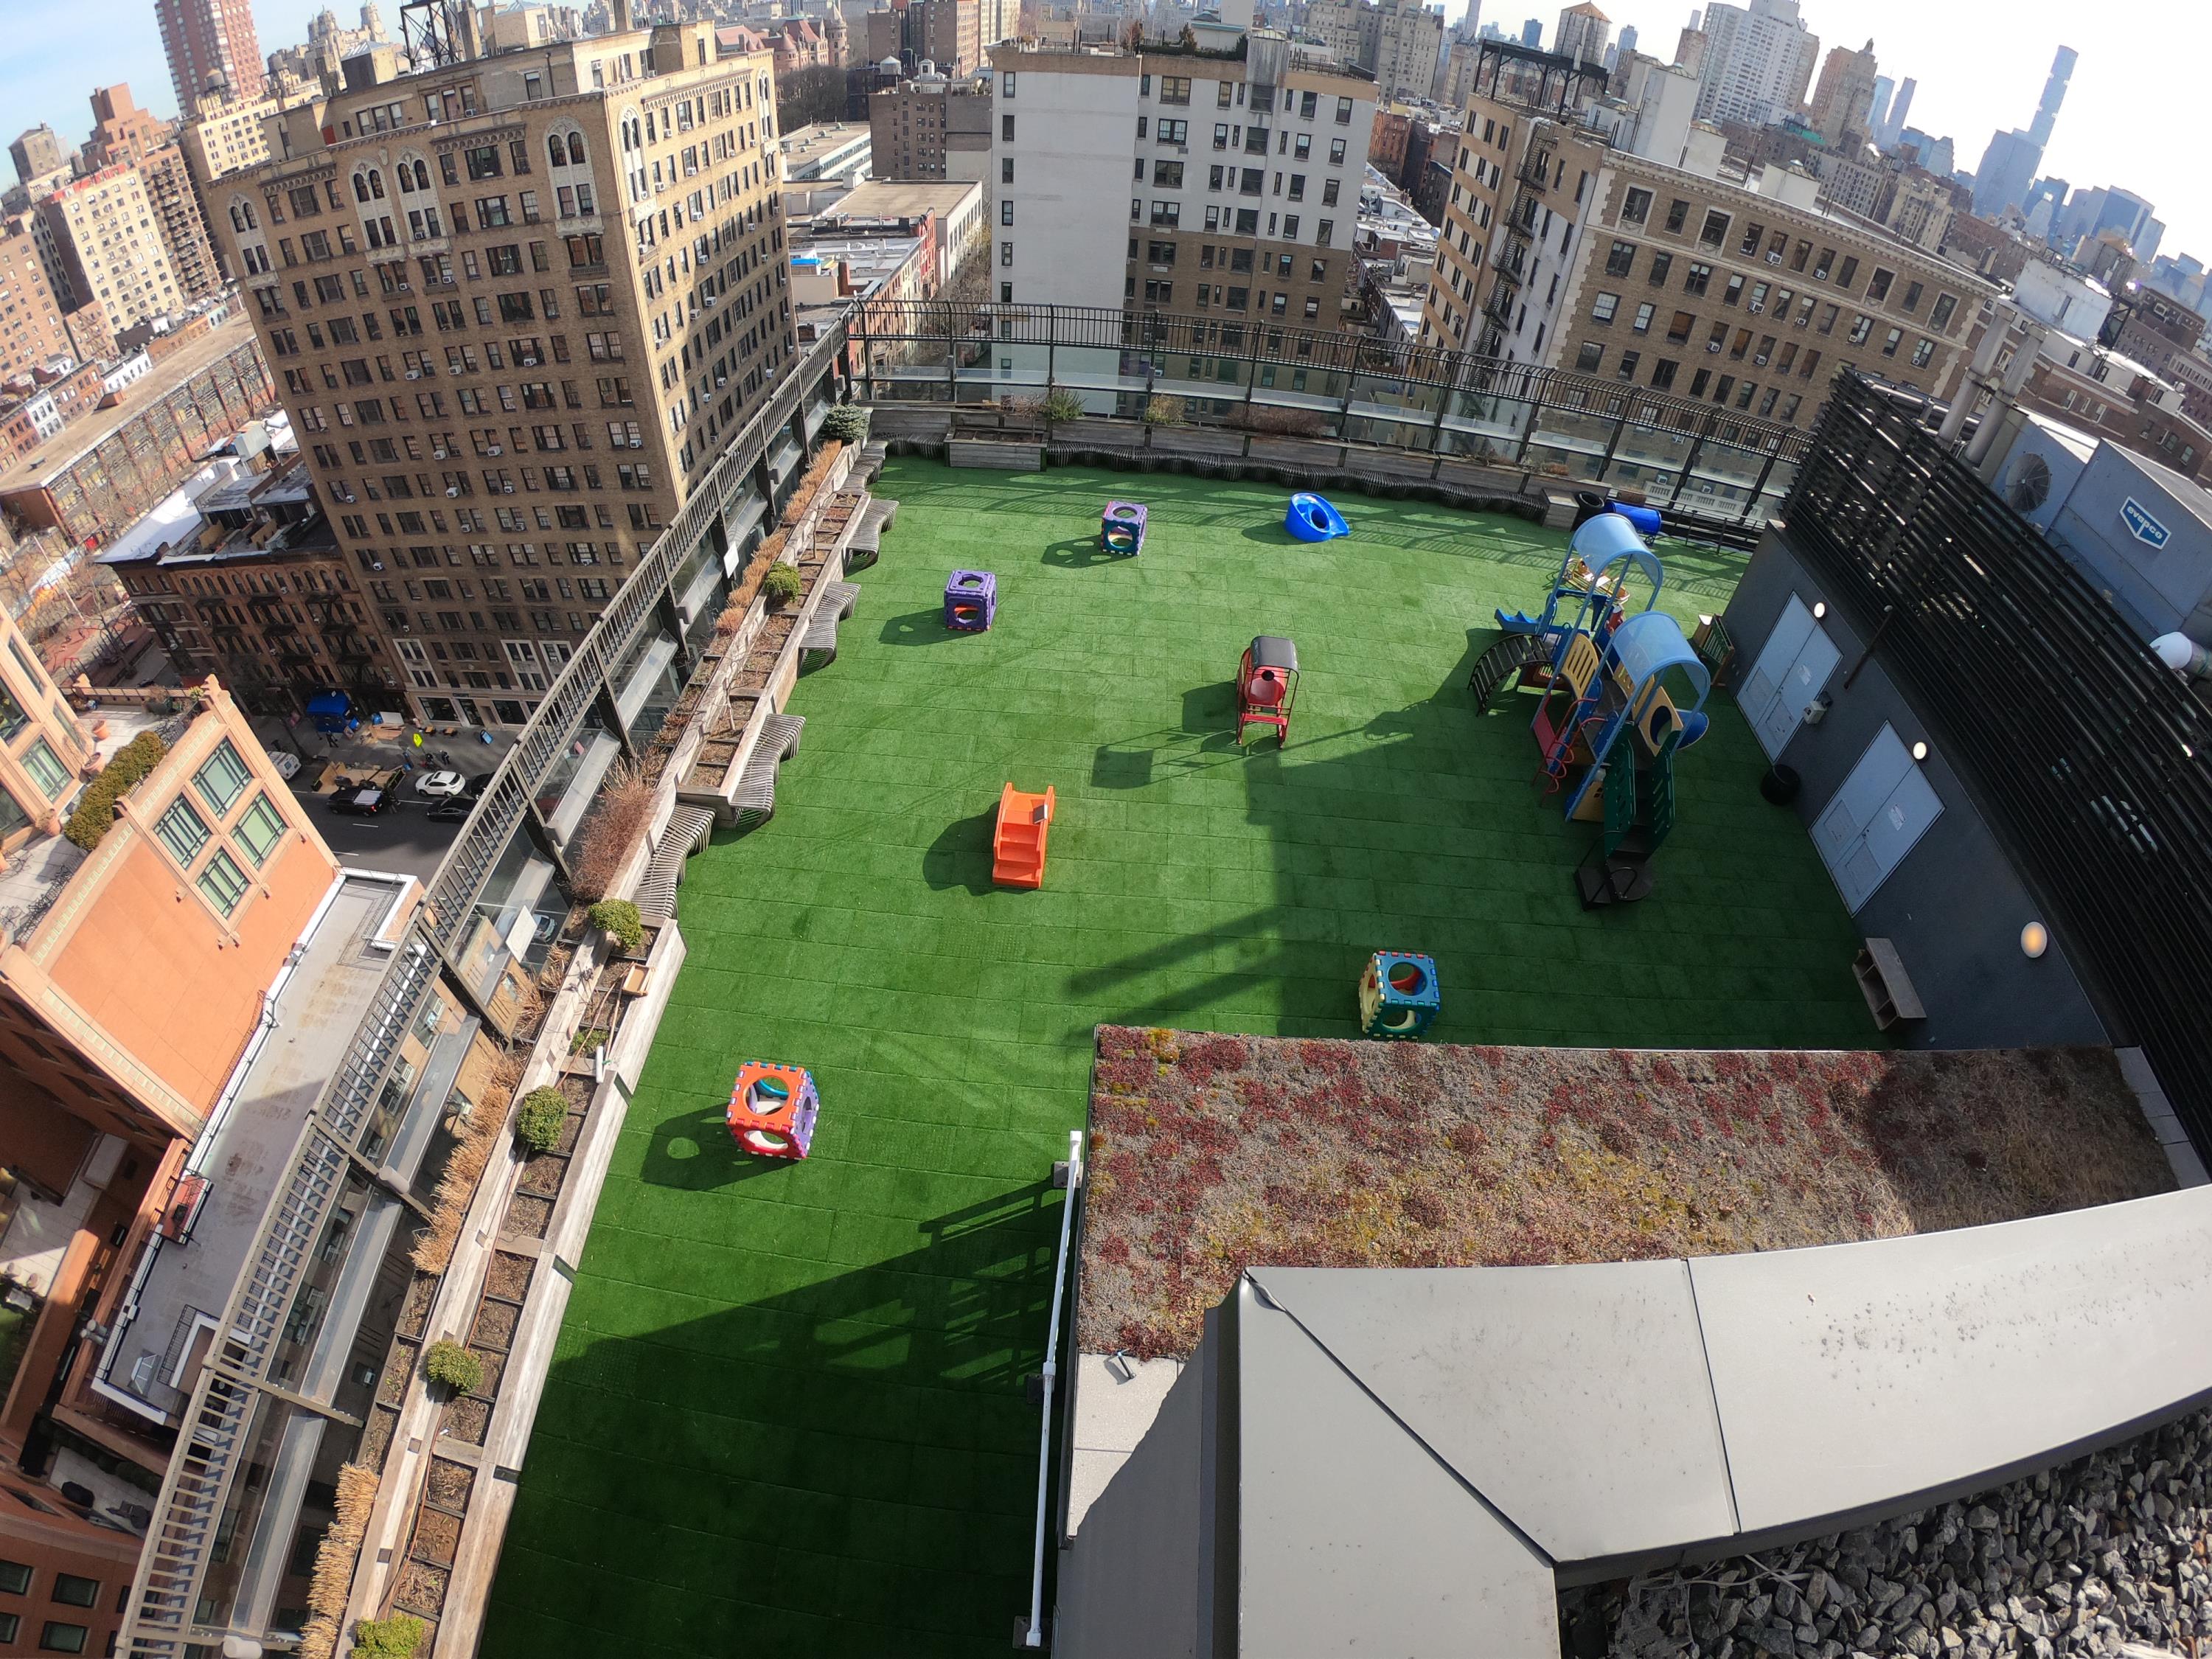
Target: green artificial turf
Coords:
[(786, 1415)]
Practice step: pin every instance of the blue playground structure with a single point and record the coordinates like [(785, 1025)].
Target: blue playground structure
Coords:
[(1122, 528), (1602, 556), (1313, 519)]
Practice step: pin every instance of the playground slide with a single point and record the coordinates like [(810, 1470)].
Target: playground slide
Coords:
[(1520, 623), (1017, 842), (1313, 519)]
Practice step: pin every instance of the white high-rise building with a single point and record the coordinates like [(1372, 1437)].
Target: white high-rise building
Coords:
[(1758, 63)]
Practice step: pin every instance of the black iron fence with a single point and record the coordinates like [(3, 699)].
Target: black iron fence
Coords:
[(2093, 760)]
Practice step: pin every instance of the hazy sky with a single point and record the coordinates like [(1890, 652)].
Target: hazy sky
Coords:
[(2134, 115)]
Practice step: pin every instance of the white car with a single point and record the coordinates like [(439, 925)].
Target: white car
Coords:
[(439, 786), (285, 763)]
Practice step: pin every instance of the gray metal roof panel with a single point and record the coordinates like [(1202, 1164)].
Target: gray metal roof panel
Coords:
[(1850, 1375), (1575, 1399), (1353, 1538)]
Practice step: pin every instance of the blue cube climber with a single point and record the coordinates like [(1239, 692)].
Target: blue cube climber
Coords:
[(1398, 995), (972, 601)]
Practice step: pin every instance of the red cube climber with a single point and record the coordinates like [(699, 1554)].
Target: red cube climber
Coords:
[(772, 1110)]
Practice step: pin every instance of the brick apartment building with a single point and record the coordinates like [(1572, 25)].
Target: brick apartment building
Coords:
[(101, 239), (931, 128), (1561, 251), (514, 303), (122, 132), (1242, 178)]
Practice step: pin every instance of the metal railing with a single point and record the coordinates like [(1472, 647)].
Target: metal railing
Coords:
[(200, 1482), (1232, 371), (2090, 758)]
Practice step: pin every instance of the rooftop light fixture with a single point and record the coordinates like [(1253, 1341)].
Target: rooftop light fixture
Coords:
[(1919, 751), (2035, 940)]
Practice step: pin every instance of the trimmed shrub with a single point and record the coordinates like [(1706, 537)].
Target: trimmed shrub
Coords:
[(95, 812), (782, 583), (591, 1038), (453, 1366), (620, 918), (396, 1637), (1061, 404), (848, 423), (539, 1120), (1161, 409)]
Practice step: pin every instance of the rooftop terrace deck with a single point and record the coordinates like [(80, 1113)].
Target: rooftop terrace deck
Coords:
[(787, 1414)]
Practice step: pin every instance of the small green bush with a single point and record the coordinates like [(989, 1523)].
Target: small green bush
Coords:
[(538, 1123), (396, 1637), (620, 918), (454, 1367), (591, 1038), (846, 422), (1061, 404), (95, 812), (1162, 410), (782, 583)]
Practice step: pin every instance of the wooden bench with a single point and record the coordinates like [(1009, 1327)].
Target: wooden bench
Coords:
[(1886, 986)]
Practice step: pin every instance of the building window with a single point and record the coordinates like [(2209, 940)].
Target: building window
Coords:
[(1678, 331), (73, 1590), (1677, 212), (1698, 279), (1005, 253), (1663, 374), (1636, 207), (45, 770), (1006, 211), (1889, 345), (1912, 292), (1007, 89), (260, 830), (1006, 129), (59, 1638), (1642, 323), (1621, 260), (1922, 350), (12, 717), (11, 1626), (1849, 274), (222, 883), (15, 1578), (1628, 362), (222, 780), (1587, 359), (1715, 231), (1661, 264), (1940, 318), (1878, 289), (1603, 310), (182, 830)]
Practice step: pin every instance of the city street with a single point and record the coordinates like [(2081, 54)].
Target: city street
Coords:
[(401, 838)]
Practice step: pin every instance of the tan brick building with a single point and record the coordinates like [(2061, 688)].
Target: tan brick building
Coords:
[(32, 331), (123, 133), (1560, 251), (103, 243), (930, 128), (225, 135), (516, 303)]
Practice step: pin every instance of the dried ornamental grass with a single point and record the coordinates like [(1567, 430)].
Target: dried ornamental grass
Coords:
[(1209, 1153), (335, 1558), (476, 1139), (618, 821)]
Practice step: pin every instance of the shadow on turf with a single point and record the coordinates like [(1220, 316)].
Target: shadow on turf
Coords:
[(1080, 554), (961, 854), (919, 628), (867, 1430)]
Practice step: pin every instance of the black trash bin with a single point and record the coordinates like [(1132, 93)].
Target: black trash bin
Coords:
[(1588, 503), (1781, 784)]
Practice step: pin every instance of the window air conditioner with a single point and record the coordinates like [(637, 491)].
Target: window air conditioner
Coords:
[(1757, 306), (1712, 345), (1759, 361), (452, 492), (414, 374), (376, 565), (506, 490), (493, 450), (1774, 258)]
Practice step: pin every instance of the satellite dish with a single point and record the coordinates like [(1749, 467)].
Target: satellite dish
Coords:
[(2028, 485)]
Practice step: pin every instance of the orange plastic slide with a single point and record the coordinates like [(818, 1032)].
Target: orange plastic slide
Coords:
[(1018, 843)]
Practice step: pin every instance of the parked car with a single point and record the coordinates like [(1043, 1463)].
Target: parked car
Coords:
[(478, 784), (451, 811), (360, 803), (442, 786), (285, 763)]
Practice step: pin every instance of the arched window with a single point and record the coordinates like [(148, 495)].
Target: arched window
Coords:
[(422, 175), (553, 148), (361, 187), (576, 149)]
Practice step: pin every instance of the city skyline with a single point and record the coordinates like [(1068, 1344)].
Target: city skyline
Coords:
[(1974, 80)]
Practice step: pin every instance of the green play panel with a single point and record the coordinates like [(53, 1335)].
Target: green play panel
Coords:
[(787, 1414)]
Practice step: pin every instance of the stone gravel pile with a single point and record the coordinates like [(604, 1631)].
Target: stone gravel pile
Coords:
[(2105, 1556)]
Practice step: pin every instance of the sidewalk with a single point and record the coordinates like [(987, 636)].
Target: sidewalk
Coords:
[(381, 746)]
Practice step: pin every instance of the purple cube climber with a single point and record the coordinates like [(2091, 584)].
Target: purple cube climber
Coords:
[(1122, 528), (972, 601)]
